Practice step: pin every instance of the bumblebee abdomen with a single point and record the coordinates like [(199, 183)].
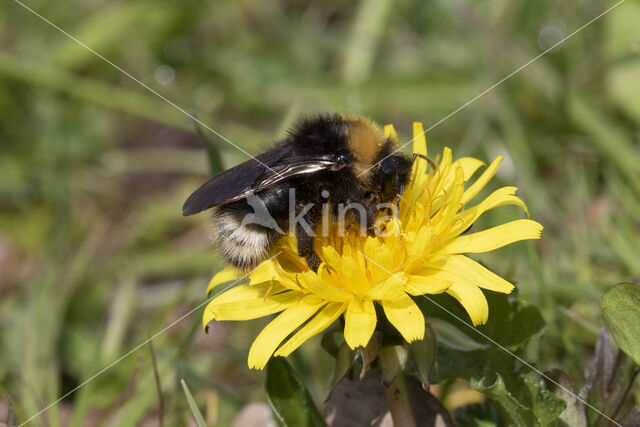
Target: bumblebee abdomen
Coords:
[(242, 246)]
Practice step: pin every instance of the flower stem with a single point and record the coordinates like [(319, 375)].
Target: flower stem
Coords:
[(398, 400)]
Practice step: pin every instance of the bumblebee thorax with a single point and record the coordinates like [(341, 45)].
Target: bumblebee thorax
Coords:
[(365, 139)]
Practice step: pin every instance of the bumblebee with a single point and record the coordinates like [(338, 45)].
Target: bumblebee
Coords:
[(326, 160)]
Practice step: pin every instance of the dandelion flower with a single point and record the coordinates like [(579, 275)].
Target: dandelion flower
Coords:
[(422, 251)]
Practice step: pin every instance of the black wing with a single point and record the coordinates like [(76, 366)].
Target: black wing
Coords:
[(255, 175), (228, 184)]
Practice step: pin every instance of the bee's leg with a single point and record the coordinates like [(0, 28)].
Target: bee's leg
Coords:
[(399, 192), (422, 156), (305, 240), (313, 261), (371, 201)]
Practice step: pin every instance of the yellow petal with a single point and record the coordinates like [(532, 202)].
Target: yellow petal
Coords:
[(246, 292), (460, 269), (463, 266), (319, 323), (447, 158), (501, 197), (289, 261), (450, 179), (225, 275), (469, 165), (419, 168), (407, 318), (372, 250), (322, 288), (371, 246), (286, 279), (434, 196), (419, 248), (251, 308), (279, 328), (332, 257), (444, 176), (420, 285), (265, 272), (379, 262), (494, 238), (419, 139), (329, 275), (444, 219), (390, 132), (240, 294), (482, 180), (360, 322), (473, 301), (354, 276), (390, 289), (393, 229)]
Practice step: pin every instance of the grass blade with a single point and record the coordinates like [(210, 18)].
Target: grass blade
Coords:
[(197, 415)]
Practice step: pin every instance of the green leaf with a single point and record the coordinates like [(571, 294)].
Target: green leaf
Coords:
[(513, 411), (526, 403), (621, 313), (344, 361), (332, 339), (290, 401), (546, 406), (477, 415), (370, 352), (574, 414), (393, 359), (451, 336), (423, 354), (197, 415), (511, 322)]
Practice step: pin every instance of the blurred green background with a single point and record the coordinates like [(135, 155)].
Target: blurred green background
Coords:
[(95, 255)]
